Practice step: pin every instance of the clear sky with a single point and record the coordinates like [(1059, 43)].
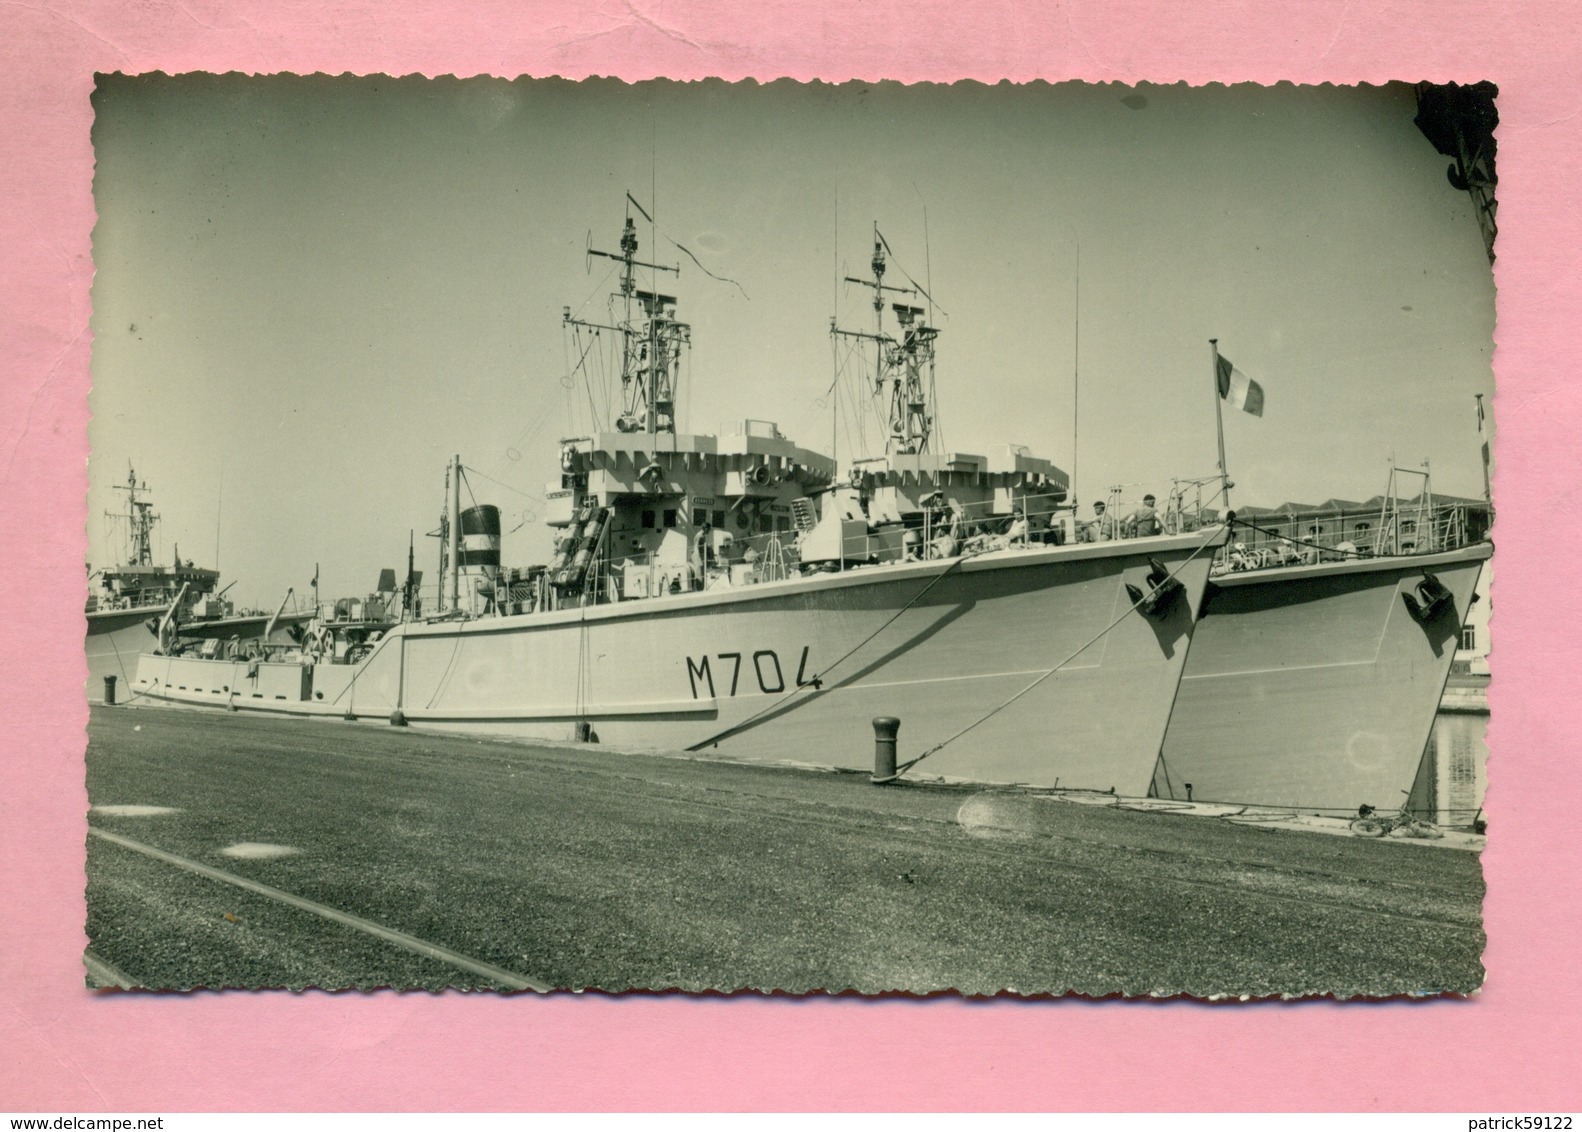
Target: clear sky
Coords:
[(310, 292)]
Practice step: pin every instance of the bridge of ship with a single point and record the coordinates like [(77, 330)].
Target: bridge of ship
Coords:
[(647, 515)]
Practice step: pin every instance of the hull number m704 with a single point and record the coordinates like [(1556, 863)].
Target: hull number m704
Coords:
[(763, 669)]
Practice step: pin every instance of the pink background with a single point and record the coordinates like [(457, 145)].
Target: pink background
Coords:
[(66, 1049)]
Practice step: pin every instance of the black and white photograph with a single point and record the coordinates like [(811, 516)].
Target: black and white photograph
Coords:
[(1016, 539)]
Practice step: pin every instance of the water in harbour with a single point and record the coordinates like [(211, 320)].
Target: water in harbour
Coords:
[(1454, 775)]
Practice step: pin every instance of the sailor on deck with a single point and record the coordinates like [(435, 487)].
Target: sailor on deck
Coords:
[(1102, 527), (703, 552), (943, 544), (1142, 522), (1016, 533)]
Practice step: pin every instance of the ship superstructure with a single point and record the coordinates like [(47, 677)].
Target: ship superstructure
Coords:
[(733, 592), (137, 582), (139, 604), (916, 499)]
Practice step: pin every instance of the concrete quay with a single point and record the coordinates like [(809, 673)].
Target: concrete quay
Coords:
[(237, 851)]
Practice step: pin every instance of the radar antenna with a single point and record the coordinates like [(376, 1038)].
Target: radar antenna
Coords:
[(140, 521), (903, 362), (651, 340)]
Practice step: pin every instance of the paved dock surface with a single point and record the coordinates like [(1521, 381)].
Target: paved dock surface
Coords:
[(241, 851)]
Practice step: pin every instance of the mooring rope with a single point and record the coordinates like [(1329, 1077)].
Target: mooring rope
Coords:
[(937, 747), (817, 681)]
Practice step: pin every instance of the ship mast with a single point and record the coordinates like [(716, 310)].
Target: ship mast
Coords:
[(650, 344), (140, 518), (905, 365)]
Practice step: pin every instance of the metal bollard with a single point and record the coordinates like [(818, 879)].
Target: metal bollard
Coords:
[(109, 690), (885, 729), (398, 718)]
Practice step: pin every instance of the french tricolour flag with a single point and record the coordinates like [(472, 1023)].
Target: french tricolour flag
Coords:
[(1241, 391)]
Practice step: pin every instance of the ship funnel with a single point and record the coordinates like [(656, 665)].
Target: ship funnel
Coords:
[(480, 539), (479, 555)]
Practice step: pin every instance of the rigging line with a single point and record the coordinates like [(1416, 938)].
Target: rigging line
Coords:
[(832, 399), (928, 260), (818, 405), (817, 681), (609, 371), (593, 411), (654, 233), (536, 423), (855, 409), (443, 685), (843, 407), (686, 380), (871, 404), (851, 417), (582, 358), (537, 416), (598, 377), (465, 482), (906, 766), (574, 376), (937, 429), (709, 273), (834, 407), (570, 379), (839, 366), (528, 435), (838, 410), (1076, 372), (597, 287)]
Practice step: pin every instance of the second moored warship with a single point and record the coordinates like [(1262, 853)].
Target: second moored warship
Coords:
[(138, 603)]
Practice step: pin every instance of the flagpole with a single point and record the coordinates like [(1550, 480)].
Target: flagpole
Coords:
[(1219, 421), (1483, 441), (1076, 381)]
